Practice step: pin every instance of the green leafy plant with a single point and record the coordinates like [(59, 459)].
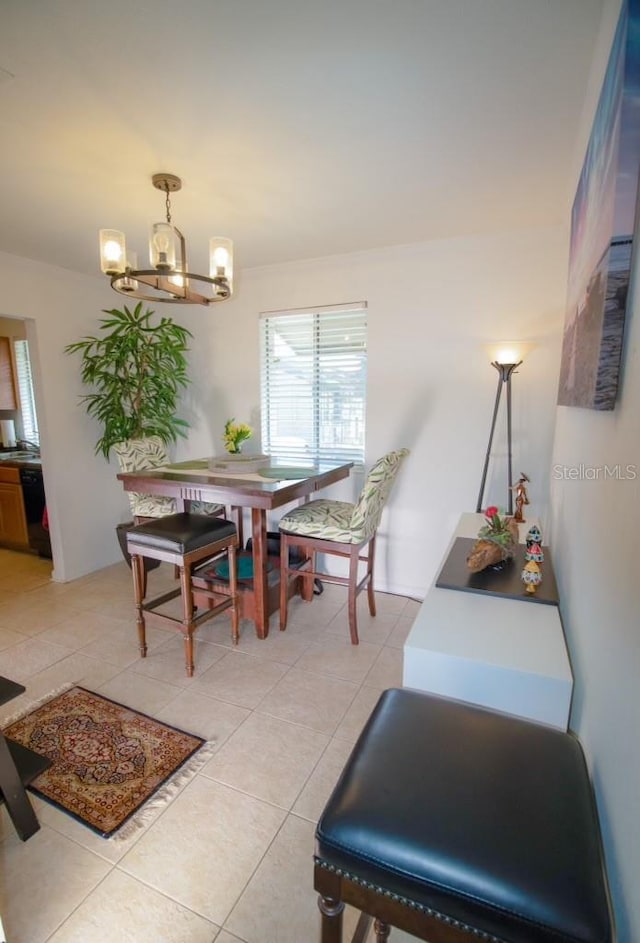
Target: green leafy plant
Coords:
[(136, 368), (498, 529)]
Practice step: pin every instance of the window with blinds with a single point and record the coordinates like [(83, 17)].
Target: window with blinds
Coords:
[(313, 384), (25, 390)]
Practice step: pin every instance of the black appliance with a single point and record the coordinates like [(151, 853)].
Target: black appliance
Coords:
[(34, 505)]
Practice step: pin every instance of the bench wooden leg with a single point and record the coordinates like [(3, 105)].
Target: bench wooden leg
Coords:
[(382, 931), (331, 911)]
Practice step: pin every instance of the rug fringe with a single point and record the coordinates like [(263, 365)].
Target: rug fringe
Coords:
[(34, 705), (166, 793)]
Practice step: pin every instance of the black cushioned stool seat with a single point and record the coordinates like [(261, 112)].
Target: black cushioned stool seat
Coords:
[(457, 823), (188, 541)]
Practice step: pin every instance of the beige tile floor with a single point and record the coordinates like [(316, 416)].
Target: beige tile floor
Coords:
[(229, 858)]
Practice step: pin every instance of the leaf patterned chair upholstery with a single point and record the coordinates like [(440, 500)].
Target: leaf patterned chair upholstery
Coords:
[(150, 452), (342, 529)]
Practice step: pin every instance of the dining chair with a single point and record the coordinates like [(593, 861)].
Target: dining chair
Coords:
[(342, 529), (150, 452), (188, 541)]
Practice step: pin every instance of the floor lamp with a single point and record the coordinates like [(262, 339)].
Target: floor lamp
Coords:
[(505, 370)]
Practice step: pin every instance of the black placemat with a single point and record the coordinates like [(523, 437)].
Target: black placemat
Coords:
[(505, 582)]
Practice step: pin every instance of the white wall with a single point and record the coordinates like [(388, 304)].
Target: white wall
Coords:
[(430, 384), (595, 527), (84, 499)]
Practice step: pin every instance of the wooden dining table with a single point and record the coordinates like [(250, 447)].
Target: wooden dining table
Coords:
[(194, 481)]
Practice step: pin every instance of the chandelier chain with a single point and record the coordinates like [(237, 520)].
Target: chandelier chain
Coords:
[(168, 203)]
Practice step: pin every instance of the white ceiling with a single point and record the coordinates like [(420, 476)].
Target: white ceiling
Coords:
[(300, 128)]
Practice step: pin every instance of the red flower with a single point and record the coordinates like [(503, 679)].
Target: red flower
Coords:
[(491, 512)]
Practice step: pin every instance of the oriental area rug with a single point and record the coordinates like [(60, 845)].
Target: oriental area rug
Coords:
[(109, 762)]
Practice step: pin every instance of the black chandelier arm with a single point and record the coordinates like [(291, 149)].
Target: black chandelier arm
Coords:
[(175, 294)]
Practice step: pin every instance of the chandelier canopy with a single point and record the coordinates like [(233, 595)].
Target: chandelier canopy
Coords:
[(169, 278)]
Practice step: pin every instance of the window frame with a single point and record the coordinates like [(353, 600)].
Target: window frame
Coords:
[(24, 382), (331, 351)]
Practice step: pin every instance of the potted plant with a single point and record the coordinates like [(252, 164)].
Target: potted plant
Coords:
[(496, 543), (235, 433), (136, 367)]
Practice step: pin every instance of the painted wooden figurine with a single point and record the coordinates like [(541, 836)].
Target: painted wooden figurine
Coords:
[(534, 552), (534, 536), (521, 497), (531, 576)]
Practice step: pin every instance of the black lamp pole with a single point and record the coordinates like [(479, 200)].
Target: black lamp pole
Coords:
[(504, 377)]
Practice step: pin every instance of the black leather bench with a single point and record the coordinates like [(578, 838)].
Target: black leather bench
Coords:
[(456, 823)]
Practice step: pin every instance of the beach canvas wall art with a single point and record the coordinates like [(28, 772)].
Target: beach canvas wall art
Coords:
[(602, 230)]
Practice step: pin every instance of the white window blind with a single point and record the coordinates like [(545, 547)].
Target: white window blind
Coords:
[(313, 383), (25, 389)]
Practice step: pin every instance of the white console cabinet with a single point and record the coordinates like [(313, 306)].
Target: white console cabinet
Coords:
[(506, 654)]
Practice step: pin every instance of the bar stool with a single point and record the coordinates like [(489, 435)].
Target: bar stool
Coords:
[(458, 824), (188, 541)]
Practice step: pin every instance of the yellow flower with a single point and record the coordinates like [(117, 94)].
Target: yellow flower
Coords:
[(235, 434)]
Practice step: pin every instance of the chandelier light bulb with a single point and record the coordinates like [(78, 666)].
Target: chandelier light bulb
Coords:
[(162, 248), (161, 243), (221, 263), (112, 251), (221, 258), (177, 280)]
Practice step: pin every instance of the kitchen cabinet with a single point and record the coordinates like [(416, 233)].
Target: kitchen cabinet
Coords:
[(8, 396), (13, 521)]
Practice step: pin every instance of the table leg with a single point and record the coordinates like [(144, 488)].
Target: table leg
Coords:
[(238, 513), (260, 588), (18, 805)]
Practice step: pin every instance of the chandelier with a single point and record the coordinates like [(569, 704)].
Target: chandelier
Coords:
[(169, 278)]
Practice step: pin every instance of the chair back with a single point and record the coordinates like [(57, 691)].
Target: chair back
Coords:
[(136, 454), (373, 497)]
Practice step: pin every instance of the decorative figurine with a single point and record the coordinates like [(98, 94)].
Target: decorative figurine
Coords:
[(534, 536), (531, 576), (521, 497), (534, 552)]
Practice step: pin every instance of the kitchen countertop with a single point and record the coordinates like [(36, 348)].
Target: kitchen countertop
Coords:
[(20, 458)]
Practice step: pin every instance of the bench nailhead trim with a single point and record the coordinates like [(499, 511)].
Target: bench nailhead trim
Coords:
[(411, 904)]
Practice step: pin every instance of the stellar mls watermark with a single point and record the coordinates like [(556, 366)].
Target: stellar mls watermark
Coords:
[(584, 472)]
